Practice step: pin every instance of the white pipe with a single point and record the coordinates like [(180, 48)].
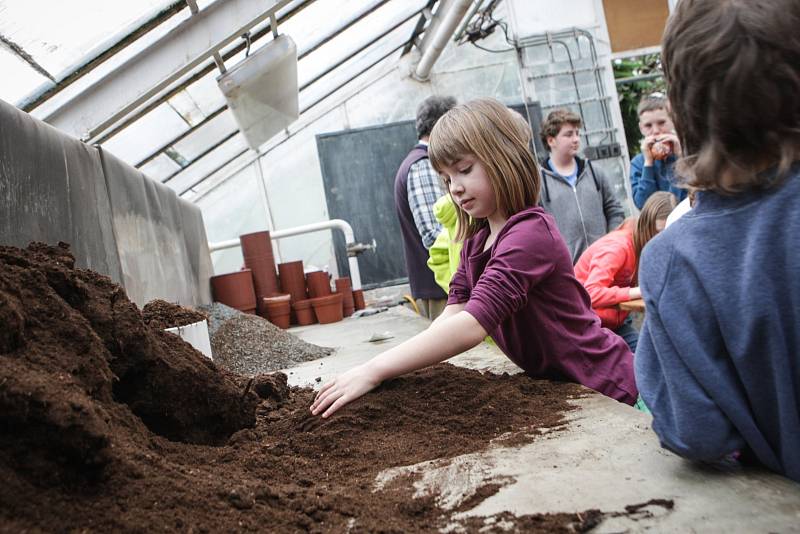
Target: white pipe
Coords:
[(443, 33), (344, 226)]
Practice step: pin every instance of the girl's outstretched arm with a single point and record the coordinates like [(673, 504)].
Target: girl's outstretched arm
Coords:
[(447, 337)]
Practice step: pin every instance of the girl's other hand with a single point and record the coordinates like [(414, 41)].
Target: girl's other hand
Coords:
[(646, 147), (673, 140), (634, 293), (343, 389)]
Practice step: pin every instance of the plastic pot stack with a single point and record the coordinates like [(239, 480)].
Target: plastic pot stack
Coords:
[(278, 310), (257, 252), (358, 299), (344, 286), (293, 282), (318, 283)]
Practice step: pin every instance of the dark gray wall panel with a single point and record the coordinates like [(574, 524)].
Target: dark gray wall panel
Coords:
[(358, 170)]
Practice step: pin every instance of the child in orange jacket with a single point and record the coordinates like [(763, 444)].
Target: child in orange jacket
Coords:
[(608, 268)]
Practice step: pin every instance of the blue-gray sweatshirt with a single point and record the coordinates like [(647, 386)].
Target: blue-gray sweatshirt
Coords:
[(647, 180), (718, 361)]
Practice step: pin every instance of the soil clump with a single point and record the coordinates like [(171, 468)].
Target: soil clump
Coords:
[(162, 314), (110, 425)]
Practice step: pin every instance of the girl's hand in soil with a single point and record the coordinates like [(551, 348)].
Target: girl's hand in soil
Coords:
[(343, 389), (452, 334)]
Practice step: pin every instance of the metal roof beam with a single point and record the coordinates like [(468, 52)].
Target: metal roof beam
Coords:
[(159, 65), (197, 75), (307, 84), (309, 49), (305, 109), (44, 92)]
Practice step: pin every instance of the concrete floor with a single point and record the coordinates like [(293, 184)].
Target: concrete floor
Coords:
[(606, 457)]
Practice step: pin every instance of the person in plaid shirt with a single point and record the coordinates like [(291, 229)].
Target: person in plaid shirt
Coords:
[(416, 190)]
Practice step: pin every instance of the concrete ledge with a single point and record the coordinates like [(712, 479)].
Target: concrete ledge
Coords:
[(606, 457)]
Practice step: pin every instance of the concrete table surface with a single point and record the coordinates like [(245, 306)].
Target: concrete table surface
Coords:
[(606, 456)]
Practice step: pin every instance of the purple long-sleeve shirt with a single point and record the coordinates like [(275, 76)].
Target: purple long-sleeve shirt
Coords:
[(524, 293)]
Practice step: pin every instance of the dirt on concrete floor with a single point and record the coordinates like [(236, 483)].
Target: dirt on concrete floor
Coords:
[(107, 424)]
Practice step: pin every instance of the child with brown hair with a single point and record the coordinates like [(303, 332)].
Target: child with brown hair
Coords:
[(653, 168), (515, 280), (577, 193), (609, 268), (718, 361)]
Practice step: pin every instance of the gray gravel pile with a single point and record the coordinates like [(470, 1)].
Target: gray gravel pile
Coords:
[(249, 345), (218, 313)]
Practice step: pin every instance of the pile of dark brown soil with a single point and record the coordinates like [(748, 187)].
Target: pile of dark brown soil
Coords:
[(109, 425), (162, 314)]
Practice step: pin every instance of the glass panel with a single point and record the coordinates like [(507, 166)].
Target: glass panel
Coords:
[(205, 93), (359, 62), (108, 65), (161, 167), (146, 135), (208, 163), (19, 78), (38, 26), (356, 36), (207, 135)]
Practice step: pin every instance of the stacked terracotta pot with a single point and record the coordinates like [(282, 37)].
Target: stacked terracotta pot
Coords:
[(344, 286), (327, 305), (358, 299), (257, 253), (293, 282), (277, 309)]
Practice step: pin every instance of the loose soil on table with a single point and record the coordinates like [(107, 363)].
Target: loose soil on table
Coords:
[(110, 425), (162, 314)]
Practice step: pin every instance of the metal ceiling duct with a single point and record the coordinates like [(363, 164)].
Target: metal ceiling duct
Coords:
[(262, 91)]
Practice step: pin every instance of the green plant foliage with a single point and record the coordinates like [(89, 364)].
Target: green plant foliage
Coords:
[(630, 92)]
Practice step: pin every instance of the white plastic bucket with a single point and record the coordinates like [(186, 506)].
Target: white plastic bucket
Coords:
[(196, 334)]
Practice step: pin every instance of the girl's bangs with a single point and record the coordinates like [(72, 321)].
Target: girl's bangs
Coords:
[(447, 144)]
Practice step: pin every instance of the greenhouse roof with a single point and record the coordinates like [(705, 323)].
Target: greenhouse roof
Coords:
[(132, 77)]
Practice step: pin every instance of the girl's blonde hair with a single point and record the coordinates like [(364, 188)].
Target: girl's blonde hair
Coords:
[(487, 130), (657, 208)]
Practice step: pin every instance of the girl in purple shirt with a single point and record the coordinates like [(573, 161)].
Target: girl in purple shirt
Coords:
[(515, 281)]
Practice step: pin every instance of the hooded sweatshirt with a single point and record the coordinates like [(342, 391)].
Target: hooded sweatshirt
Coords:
[(583, 213)]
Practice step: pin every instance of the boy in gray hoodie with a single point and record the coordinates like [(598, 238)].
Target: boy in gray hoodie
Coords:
[(574, 191)]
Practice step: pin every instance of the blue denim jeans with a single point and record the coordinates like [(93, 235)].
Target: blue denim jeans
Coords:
[(628, 333)]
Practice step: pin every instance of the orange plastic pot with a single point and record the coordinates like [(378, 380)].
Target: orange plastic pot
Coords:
[(358, 299), (235, 290), (328, 309), (278, 310), (304, 312), (344, 287), (293, 281), (257, 253), (318, 283)]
